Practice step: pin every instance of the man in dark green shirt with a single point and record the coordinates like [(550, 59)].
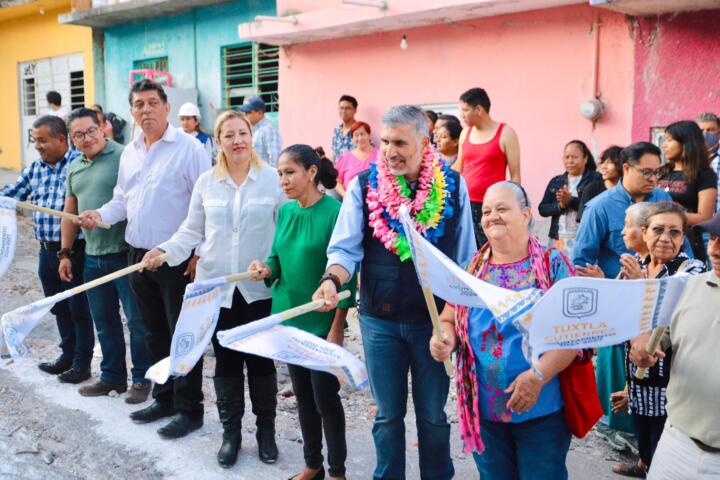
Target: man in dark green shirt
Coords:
[(90, 183)]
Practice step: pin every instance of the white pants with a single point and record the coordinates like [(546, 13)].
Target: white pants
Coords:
[(678, 458)]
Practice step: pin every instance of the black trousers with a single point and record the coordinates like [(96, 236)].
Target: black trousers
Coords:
[(230, 363), (159, 296), (320, 409), (648, 431), (476, 210)]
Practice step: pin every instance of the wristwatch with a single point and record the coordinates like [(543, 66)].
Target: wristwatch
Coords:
[(64, 253), (333, 278)]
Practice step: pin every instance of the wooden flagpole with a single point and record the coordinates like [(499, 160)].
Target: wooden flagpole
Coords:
[(110, 277), (650, 348), (56, 213), (435, 317), (308, 307), (236, 277)]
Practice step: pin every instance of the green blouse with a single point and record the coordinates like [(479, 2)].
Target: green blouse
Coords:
[(298, 259)]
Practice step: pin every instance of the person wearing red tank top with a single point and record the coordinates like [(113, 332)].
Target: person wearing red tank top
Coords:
[(487, 150)]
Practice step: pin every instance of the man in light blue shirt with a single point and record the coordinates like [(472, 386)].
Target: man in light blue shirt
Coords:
[(599, 239), (266, 139), (394, 319)]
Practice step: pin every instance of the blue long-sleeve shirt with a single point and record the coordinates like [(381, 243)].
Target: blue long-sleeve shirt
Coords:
[(599, 239), (346, 249)]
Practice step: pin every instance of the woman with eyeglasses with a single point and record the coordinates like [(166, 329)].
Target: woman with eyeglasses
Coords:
[(690, 181), (664, 232)]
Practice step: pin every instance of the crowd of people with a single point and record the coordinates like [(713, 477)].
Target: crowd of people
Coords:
[(194, 206)]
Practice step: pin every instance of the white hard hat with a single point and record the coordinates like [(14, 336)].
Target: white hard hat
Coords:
[(189, 109)]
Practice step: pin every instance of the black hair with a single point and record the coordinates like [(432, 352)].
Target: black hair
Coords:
[(476, 96), (612, 155), (590, 165), (306, 156), (98, 107), (54, 97), (146, 85), (349, 98), (431, 115), (83, 112), (695, 154), (56, 125), (448, 118), (454, 129), (634, 152)]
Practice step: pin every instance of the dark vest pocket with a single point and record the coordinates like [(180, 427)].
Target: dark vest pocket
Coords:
[(380, 290)]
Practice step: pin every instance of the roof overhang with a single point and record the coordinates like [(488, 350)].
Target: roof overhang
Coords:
[(12, 9), (641, 8), (352, 20), (130, 11)]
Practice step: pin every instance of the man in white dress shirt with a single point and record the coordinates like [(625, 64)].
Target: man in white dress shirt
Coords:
[(157, 174)]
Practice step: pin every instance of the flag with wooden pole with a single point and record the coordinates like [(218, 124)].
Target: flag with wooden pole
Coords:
[(195, 326), (17, 324), (8, 232), (439, 275), (269, 338)]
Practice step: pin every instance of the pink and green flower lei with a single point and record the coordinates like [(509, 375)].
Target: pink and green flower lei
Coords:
[(429, 210)]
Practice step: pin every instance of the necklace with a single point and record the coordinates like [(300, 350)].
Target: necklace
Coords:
[(429, 210)]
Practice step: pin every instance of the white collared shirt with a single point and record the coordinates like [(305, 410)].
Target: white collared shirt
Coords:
[(154, 187), (230, 226)]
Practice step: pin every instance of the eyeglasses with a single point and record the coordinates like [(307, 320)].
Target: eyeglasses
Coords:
[(80, 136), (674, 233), (649, 173)]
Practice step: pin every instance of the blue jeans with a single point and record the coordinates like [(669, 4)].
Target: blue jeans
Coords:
[(105, 308), (531, 450), (77, 337), (391, 349)]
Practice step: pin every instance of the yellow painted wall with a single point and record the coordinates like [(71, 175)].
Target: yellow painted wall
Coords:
[(31, 38)]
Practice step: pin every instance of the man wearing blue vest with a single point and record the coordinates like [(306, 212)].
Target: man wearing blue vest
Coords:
[(394, 318)]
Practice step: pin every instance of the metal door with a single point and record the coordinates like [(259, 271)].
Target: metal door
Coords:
[(63, 74)]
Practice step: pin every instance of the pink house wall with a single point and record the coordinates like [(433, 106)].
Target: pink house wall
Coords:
[(537, 68), (677, 67)]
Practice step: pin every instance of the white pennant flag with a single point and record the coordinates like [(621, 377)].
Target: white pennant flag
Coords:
[(193, 331), (453, 284), (8, 233), (270, 339), (579, 312), (17, 324)]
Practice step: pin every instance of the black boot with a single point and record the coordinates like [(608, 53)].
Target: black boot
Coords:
[(263, 394), (231, 406)]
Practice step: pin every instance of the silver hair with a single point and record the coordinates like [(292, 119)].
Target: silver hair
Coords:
[(407, 115), (708, 117), (638, 213), (516, 189), (519, 194)]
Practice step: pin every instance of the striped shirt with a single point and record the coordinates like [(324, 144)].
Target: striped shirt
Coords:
[(647, 397), (44, 185)]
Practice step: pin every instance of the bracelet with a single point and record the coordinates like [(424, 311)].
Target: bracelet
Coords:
[(64, 253), (333, 278)]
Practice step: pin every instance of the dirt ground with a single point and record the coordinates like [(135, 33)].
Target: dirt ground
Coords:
[(47, 430)]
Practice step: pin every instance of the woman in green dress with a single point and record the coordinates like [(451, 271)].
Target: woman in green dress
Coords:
[(297, 261)]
